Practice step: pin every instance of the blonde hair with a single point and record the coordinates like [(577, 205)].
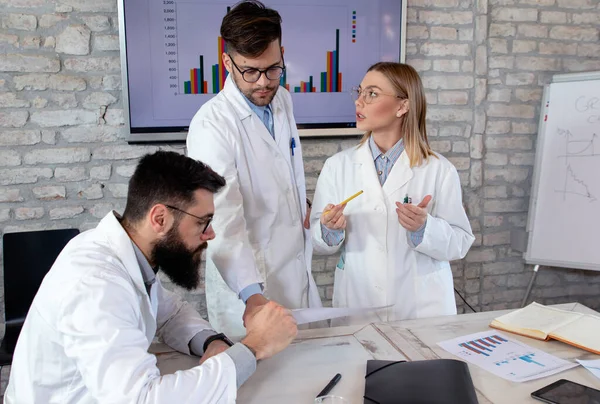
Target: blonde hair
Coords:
[(407, 83)]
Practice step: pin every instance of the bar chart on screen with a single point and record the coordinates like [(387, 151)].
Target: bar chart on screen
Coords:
[(194, 63), (327, 46), (505, 357), (330, 80)]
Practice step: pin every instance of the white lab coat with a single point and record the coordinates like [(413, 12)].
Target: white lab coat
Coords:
[(259, 213), (86, 336), (381, 265)]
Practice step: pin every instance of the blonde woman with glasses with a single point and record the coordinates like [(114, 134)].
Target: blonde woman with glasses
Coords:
[(397, 238)]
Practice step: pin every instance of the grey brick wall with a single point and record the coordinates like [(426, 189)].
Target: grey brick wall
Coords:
[(64, 161), (527, 42)]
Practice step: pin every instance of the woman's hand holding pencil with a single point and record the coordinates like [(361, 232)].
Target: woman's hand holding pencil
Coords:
[(333, 216)]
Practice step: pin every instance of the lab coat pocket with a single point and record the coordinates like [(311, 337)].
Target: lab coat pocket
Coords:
[(435, 291)]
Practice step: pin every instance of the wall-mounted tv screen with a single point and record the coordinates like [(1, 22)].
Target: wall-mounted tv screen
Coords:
[(171, 59)]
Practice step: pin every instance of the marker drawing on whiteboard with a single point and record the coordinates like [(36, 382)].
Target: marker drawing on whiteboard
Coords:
[(574, 151)]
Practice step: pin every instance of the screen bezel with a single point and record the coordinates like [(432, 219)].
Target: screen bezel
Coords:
[(179, 134)]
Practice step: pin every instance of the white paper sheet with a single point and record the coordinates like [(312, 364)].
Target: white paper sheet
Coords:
[(591, 365), (304, 316), (505, 357)]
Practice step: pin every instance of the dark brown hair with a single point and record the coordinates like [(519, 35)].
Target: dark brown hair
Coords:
[(249, 27), (169, 178)]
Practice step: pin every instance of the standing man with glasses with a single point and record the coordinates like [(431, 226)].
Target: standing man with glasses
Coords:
[(247, 133)]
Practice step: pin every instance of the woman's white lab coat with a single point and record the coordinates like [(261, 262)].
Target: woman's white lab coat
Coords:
[(259, 213), (381, 266), (86, 336)]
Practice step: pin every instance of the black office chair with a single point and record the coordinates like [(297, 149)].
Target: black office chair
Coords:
[(28, 256)]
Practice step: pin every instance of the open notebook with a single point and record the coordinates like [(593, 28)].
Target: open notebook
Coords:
[(543, 322)]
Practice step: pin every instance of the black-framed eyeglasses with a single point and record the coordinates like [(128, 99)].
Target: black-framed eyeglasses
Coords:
[(208, 221), (252, 75), (369, 95)]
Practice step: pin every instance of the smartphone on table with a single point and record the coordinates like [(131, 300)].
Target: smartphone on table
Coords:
[(567, 392)]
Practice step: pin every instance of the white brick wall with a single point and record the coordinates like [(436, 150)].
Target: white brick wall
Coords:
[(518, 45), (64, 161), (536, 39)]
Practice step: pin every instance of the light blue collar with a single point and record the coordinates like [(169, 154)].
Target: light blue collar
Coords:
[(260, 111), (392, 154)]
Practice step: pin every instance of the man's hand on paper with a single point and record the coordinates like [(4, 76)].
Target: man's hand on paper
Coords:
[(269, 330), (253, 304), (333, 217), (213, 349)]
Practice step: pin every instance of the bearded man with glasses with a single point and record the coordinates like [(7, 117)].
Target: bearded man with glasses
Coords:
[(101, 305), (247, 134)]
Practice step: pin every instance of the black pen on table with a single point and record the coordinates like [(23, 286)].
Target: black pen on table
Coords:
[(330, 385)]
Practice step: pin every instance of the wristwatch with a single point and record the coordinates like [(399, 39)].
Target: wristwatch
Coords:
[(221, 337)]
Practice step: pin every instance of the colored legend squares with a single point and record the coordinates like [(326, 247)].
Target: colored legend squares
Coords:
[(354, 26)]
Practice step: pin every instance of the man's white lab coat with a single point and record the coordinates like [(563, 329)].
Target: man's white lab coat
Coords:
[(86, 336), (259, 213)]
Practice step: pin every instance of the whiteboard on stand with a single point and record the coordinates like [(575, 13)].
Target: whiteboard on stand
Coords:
[(564, 213)]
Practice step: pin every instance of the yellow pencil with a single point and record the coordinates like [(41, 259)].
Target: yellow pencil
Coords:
[(352, 197), (348, 199)]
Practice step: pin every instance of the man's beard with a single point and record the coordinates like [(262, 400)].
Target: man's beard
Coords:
[(254, 98), (181, 265)]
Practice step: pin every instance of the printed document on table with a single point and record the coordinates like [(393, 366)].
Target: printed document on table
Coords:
[(310, 315), (591, 365), (506, 357)]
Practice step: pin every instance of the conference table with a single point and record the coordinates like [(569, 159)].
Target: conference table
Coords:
[(300, 372)]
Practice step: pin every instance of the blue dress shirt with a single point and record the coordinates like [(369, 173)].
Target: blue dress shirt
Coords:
[(265, 114)]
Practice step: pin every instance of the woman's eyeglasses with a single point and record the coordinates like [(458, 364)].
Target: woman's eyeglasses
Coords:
[(369, 95)]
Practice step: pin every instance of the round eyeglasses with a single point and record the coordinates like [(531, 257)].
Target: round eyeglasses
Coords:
[(252, 75), (369, 95), (208, 221)]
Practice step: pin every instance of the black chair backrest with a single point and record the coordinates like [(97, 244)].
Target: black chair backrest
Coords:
[(28, 256)]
